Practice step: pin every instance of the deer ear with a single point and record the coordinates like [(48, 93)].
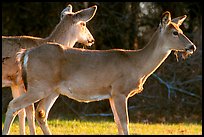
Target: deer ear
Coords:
[(67, 10), (85, 14), (165, 19), (179, 20)]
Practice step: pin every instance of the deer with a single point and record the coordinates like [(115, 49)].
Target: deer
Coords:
[(71, 29), (86, 75)]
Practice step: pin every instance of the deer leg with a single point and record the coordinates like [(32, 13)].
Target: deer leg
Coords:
[(18, 103), (21, 115), (42, 111), (118, 105), (30, 112)]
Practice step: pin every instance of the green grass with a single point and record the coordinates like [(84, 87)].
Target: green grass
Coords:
[(106, 127)]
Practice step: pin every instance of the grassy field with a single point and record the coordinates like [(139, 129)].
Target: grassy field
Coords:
[(106, 127)]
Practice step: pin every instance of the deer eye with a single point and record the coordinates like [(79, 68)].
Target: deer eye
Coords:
[(175, 33)]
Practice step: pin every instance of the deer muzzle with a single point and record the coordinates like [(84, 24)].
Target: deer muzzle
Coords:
[(91, 42), (190, 49)]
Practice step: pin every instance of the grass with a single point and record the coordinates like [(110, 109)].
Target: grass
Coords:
[(106, 127)]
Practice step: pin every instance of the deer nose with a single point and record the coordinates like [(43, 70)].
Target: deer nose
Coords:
[(192, 47), (91, 41)]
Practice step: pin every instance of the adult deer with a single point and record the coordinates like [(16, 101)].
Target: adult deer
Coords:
[(93, 75), (71, 29)]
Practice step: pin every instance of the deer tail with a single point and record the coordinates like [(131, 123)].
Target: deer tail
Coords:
[(22, 58)]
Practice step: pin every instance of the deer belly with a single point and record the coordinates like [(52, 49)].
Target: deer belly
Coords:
[(83, 94)]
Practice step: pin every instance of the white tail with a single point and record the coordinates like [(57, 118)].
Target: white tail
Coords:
[(71, 29), (93, 75)]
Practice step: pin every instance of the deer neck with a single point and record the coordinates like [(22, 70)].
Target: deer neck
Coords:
[(63, 34), (152, 55)]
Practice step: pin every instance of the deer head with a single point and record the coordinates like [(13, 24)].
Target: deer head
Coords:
[(173, 35)]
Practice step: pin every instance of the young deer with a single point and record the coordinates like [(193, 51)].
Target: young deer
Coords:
[(93, 75), (71, 29)]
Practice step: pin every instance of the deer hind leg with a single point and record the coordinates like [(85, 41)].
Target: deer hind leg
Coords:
[(118, 105), (18, 103), (42, 111), (30, 112)]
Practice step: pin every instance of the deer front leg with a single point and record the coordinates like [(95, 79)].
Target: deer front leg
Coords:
[(42, 111), (21, 115), (30, 114), (118, 105)]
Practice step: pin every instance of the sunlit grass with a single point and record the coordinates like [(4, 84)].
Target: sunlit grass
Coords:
[(83, 127)]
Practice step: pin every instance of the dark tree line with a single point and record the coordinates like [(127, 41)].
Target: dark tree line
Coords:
[(126, 25)]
